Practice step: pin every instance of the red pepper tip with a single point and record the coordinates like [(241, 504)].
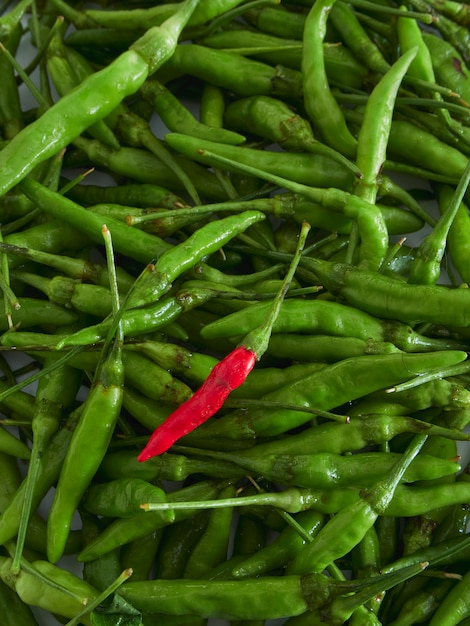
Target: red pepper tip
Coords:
[(143, 456), (153, 448)]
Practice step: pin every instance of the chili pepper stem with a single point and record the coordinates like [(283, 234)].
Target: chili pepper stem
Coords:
[(427, 263), (258, 339), (113, 587)]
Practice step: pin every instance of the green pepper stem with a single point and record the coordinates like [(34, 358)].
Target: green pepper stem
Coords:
[(453, 370), (258, 339), (24, 383), (112, 588), (427, 263)]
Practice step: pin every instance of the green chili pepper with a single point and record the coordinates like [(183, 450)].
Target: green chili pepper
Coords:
[(374, 134), (448, 64), (103, 571), (150, 318), (457, 240), (410, 35), (55, 395), (179, 119), (11, 117), (358, 433), (178, 542), (70, 293), (340, 381), (423, 605), (277, 21), (289, 595), (427, 263), (326, 470), (123, 531), (319, 101), (139, 555), (136, 195), (142, 246), (49, 587), (276, 121), (416, 145), (180, 258), (283, 549), (15, 611), (389, 298), (324, 317), (74, 267), (173, 467), (325, 348), (245, 77), (250, 536), (65, 79), (341, 66), (454, 607), (95, 98), (301, 167), (121, 498), (88, 446), (138, 19), (212, 548)]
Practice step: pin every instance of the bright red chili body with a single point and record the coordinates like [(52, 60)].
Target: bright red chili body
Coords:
[(226, 376)]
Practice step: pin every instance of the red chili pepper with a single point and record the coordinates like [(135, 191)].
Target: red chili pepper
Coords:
[(226, 376)]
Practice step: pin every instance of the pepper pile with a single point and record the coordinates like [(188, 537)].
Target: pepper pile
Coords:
[(244, 394)]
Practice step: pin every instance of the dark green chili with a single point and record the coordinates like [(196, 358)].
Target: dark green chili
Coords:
[(341, 66), (213, 545), (150, 318), (300, 167)]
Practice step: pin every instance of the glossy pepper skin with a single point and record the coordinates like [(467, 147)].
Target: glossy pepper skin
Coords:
[(226, 376), (87, 448), (326, 389), (91, 101), (54, 589), (63, 122)]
